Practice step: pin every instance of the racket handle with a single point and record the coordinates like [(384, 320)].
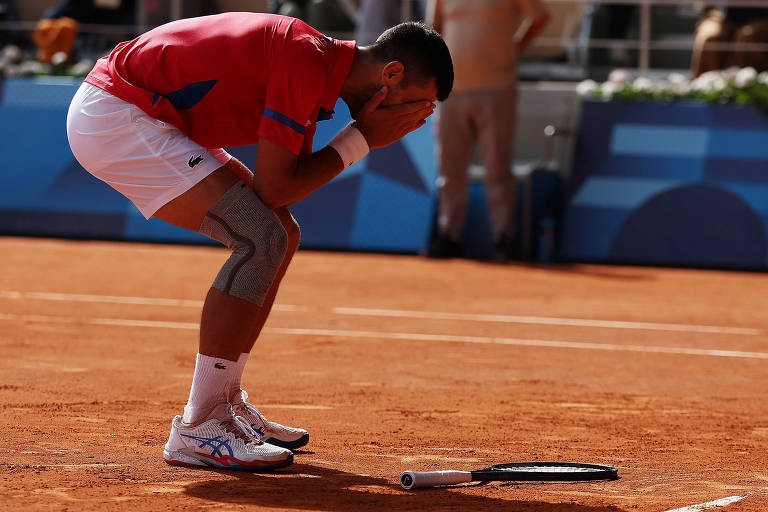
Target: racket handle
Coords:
[(414, 479)]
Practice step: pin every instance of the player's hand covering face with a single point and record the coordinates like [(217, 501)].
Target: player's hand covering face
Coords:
[(393, 112)]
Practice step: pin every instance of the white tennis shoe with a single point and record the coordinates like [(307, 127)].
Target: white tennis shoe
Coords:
[(222, 441), (268, 431)]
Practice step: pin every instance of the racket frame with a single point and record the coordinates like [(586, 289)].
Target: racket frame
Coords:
[(506, 472)]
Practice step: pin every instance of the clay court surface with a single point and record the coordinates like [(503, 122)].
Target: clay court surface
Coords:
[(391, 363)]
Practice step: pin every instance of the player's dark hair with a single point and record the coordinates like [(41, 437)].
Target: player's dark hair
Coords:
[(421, 50)]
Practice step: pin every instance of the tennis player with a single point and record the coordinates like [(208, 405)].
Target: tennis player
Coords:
[(151, 120)]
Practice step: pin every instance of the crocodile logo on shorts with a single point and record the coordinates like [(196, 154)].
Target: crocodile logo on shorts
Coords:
[(195, 160)]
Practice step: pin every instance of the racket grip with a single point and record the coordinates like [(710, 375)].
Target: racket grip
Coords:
[(415, 479)]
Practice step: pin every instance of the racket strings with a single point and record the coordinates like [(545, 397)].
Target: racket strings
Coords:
[(547, 469)]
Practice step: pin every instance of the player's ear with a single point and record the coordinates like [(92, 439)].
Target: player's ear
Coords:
[(392, 73)]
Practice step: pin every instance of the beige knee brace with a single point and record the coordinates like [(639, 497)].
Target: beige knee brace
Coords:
[(242, 222)]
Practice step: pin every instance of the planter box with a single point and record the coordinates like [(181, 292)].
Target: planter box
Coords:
[(681, 184)]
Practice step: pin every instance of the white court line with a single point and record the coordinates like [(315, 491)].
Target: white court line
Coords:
[(722, 502), (112, 299), (710, 504), (417, 337), (520, 342), (540, 320), (145, 323), (546, 320)]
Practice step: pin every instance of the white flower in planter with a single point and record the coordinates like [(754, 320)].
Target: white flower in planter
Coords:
[(712, 86), (728, 74), (59, 58), (608, 89), (662, 86), (643, 84), (676, 78), (31, 67), (82, 68), (711, 81), (11, 54), (680, 88), (710, 76), (745, 77), (718, 84), (587, 88), (619, 77), (698, 84)]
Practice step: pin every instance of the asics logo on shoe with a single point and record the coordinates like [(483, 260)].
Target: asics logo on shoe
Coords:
[(214, 443), (259, 430), (220, 366), (195, 160)]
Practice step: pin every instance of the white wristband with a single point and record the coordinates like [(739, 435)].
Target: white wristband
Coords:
[(350, 144)]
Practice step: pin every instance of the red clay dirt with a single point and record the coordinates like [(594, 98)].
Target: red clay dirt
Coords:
[(357, 353)]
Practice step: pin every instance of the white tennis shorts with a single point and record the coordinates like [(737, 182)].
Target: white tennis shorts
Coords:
[(147, 160)]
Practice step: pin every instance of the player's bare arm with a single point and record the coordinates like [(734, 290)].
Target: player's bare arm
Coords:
[(282, 178)]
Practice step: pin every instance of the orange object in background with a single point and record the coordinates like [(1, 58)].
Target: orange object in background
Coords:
[(54, 35)]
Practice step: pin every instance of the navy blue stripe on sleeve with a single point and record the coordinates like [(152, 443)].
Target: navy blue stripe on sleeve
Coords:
[(283, 119)]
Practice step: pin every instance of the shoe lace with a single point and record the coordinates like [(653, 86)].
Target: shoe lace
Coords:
[(240, 430), (242, 407)]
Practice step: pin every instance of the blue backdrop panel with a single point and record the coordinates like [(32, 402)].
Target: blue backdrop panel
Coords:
[(326, 221), (672, 184), (652, 232), (384, 202), (390, 216)]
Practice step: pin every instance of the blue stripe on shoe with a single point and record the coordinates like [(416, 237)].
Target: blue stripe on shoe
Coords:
[(283, 119)]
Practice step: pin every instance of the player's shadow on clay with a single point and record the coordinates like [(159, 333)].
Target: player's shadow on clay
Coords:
[(306, 487)]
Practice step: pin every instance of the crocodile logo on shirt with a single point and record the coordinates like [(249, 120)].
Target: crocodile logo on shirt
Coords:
[(195, 160)]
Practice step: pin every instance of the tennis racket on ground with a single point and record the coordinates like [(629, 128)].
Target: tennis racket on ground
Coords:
[(516, 471)]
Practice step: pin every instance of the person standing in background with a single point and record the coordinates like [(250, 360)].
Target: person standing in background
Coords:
[(485, 38), (375, 16), (739, 26)]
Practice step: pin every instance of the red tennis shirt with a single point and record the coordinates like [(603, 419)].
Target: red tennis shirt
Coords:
[(229, 79)]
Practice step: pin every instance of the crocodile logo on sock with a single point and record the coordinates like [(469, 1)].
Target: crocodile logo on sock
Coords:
[(219, 366)]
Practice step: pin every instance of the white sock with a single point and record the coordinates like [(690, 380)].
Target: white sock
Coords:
[(210, 385), (235, 384)]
